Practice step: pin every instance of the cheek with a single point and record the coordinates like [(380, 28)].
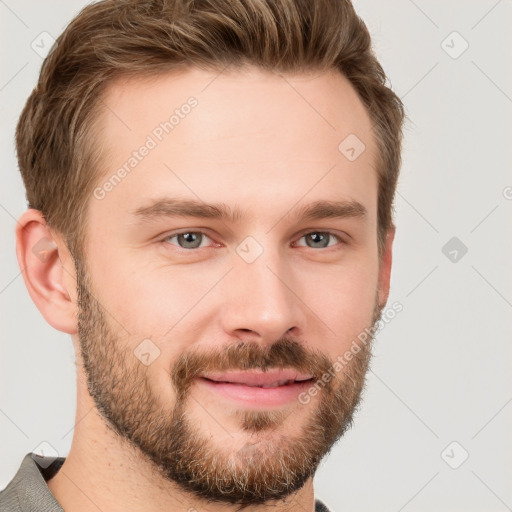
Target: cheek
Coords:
[(144, 300), (153, 309), (344, 300)]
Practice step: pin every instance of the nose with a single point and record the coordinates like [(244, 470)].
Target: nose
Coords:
[(260, 301)]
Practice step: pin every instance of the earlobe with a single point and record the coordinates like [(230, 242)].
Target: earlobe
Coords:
[(385, 267), (48, 271)]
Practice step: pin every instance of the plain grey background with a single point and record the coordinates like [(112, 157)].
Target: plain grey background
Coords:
[(434, 429)]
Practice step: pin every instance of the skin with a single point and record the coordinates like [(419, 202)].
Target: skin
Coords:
[(259, 141)]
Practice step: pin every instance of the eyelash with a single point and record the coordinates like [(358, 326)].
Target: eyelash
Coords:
[(173, 235)]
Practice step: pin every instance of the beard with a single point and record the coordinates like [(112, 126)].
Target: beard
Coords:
[(272, 464)]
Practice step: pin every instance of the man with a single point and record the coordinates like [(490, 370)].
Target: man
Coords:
[(210, 189)]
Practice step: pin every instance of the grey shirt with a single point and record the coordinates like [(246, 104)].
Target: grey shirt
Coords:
[(29, 492)]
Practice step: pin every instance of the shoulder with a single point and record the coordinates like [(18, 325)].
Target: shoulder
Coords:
[(28, 491), (9, 495), (320, 506)]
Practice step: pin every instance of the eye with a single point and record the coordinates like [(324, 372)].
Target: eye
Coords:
[(320, 239), (194, 239), (188, 239)]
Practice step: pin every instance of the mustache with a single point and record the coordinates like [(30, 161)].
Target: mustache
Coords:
[(284, 353)]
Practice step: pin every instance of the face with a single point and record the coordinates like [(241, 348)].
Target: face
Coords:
[(227, 273)]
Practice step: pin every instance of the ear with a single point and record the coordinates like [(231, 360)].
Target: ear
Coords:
[(48, 271), (385, 267)]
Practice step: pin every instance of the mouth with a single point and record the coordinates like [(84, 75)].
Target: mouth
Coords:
[(258, 389), (269, 379)]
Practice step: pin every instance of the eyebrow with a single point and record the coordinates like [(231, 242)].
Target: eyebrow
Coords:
[(322, 209)]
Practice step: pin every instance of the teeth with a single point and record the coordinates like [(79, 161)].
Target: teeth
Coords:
[(270, 385), (276, 384)]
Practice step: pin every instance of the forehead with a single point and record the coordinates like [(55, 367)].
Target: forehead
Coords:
[(244, 134)]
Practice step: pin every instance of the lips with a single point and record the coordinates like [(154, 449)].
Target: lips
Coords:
[(270, 379)]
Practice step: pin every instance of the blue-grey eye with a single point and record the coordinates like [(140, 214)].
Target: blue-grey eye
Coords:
[(318, 239), (188, 240)]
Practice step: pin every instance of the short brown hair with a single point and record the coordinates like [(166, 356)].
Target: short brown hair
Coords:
[(113, 38)]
